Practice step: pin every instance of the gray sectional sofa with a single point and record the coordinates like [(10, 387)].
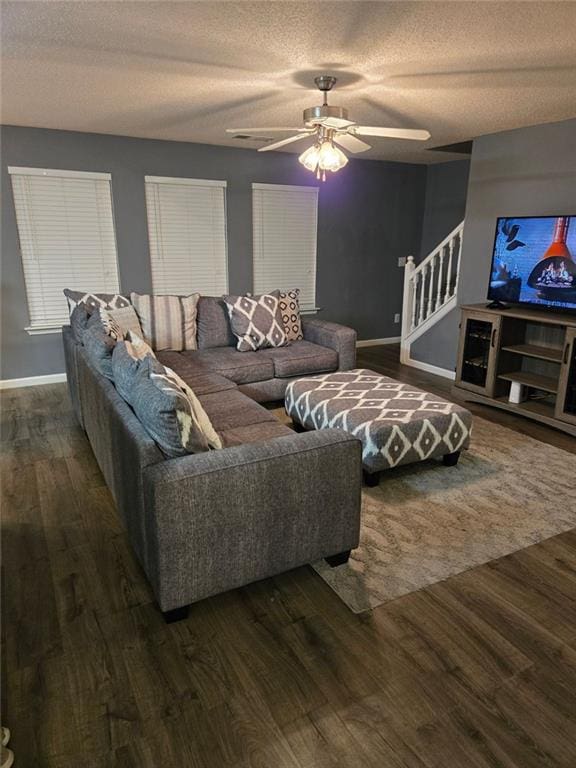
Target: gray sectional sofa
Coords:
[(270, 500)]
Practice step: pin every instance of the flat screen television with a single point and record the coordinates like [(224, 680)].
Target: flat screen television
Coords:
[(534, 262)]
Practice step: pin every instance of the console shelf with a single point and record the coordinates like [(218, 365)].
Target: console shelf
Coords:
[(533, 348), (534, 380)]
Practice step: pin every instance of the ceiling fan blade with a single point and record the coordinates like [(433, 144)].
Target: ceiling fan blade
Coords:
[(392, 133), (260, 131), (351, 143), (336, 122), (289, 140)]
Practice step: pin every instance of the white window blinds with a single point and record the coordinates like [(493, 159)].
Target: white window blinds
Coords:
[(187, 231), (66, 228), (285, 234)]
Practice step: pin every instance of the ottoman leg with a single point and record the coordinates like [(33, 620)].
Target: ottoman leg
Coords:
[(297, 427), (339, 559), (371, 479), (451, 459)]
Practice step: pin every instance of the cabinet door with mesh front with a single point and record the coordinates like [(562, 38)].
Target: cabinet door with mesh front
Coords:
[(566, 398), (479, 340)]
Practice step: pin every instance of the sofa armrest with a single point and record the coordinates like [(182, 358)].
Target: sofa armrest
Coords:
[(335, 336), (226, 518)]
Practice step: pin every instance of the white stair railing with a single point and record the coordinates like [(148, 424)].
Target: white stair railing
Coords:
[(430, 288)]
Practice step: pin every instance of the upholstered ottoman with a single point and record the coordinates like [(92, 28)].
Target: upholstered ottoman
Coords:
[(397, 423)]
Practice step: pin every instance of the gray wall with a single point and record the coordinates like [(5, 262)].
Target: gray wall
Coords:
[(445, 202), (369, 214), (529, 171)]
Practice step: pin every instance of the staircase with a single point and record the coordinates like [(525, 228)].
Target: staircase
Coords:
[(429, 290)]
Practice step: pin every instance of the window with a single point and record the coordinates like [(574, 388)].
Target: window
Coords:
[(66, 228), (285, 233), (187, 231)]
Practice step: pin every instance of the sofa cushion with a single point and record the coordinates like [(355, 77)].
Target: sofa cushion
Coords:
[(126, 360), (256, 321), (301, 358), (232, 409), (168, 322), (78, 322), (213, 324), (290, 310), (99, 347), (170, 412), (254, 433), (196, 374), (240, 367)]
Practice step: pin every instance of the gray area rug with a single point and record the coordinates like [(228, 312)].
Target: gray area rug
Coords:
[(426, 522)]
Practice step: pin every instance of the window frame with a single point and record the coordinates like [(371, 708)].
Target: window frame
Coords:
[(190, 182), (308, 189), (38, 328)]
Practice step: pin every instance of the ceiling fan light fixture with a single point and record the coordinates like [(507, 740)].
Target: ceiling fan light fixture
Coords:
[(323, 156)]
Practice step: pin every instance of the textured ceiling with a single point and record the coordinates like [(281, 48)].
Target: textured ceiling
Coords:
[(186, 71)]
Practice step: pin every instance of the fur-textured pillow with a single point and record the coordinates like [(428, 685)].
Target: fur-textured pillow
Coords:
[(167, 322), (95, 300), (290, 310), (256, 321), (171, 414)]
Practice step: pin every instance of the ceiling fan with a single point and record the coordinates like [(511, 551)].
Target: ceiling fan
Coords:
[(329, 125)]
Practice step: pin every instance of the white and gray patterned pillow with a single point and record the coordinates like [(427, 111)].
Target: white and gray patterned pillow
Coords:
[(290, 310), (256, 321), (168, 413), (109, 325), (126, 319), (95, 300), (167, 322)]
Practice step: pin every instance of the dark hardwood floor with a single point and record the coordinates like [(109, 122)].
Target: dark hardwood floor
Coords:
[(478, 671)]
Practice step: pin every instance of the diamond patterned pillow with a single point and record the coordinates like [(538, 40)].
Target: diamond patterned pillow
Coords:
[(290, 310), (256, 321), (95, 300)]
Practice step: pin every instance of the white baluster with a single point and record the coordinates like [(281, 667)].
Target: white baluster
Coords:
[(422, 290), (408, 307), (458, 259), (414, 318), (440, 277), (431, 285), (449, 271)]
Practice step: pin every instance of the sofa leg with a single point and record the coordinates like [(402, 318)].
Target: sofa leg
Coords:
[(451, 459), (339, 559), (176, 614), (371, 479)]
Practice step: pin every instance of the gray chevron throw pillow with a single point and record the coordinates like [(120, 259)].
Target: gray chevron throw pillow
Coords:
[(256, 321)]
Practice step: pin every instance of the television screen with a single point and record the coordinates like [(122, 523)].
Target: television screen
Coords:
[(534, 261)]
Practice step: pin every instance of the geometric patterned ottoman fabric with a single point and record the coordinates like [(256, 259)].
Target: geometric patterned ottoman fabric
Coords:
[(396, 422)]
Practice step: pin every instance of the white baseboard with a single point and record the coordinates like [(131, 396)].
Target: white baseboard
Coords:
[(375, 342), (33, 381), (447, 374)]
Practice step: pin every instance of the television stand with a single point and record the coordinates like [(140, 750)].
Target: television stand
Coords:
[(527, 348)]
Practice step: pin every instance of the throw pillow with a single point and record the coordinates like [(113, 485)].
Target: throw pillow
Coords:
[(256, 321), (167, 413), (137, 347), (167, 322), (99, 347), (126, 361), (290, 309), (78, 322), (95, 300), (108, 324), (126, 319)]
